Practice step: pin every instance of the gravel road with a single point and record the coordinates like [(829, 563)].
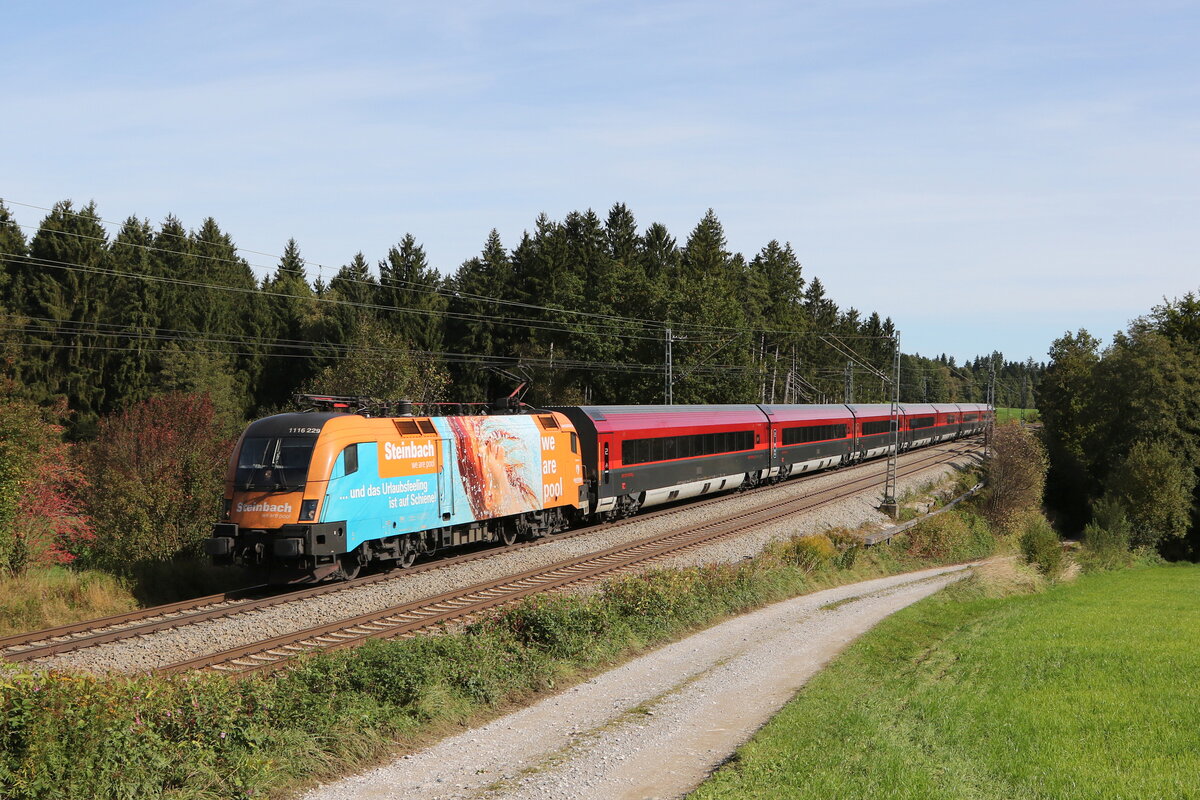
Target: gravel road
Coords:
[(657, 726), (165, 647)]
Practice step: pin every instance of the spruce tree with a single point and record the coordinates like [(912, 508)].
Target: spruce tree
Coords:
[(409, 284), (134, 317), (471, 327), (227, 309), (714, 362), (64, 293), (290, 306), (13, 250)]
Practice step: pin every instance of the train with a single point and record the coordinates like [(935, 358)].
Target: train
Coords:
[(321, 494)]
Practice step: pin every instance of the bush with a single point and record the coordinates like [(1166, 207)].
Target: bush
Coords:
[(161, 463), (848, 545), (809, 553), (40, 521), (1041, 546), (1106, 539), (1016, 476), (1155, 485), (956, 535)]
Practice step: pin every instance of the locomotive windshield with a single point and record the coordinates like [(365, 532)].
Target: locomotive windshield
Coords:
[(275, 463)]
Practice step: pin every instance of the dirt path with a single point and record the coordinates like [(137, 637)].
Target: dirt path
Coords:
[(655, 727)]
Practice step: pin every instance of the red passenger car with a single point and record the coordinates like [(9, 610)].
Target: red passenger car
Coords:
[(646, 455)]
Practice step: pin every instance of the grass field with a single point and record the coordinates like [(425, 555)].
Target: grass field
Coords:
[(1020, 414), (1088, 690)]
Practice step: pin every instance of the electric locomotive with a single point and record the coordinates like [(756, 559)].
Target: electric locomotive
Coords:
[(321, 494)]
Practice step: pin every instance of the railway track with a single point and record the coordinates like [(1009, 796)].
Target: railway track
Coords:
[(49, 642), (461, 604)]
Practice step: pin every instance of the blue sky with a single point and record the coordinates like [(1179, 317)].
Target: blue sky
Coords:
[(990, 175)]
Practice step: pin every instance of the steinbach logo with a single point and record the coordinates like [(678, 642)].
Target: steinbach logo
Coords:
[(285, 508), (396, 452)]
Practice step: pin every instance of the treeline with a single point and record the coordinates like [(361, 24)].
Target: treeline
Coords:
[(148, 349), (1122, 428), (581, 307)]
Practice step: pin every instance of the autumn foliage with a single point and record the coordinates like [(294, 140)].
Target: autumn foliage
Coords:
[(41, 521), (157, 470)]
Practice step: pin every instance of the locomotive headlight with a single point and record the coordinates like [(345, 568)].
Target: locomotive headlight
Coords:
[(227, 509), (308, 510)]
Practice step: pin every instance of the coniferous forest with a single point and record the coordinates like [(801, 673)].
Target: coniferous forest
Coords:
[(135, 351)]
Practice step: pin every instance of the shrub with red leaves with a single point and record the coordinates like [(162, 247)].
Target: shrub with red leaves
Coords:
[(156, 474), (41, 519)]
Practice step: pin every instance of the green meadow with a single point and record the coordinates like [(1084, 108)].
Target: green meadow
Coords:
[(1090, 689), (1020, 414)]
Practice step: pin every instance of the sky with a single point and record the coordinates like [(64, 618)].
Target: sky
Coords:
[(989, 175)]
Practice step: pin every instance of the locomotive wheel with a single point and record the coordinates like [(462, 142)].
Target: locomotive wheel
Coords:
[(408, 555), (508, 533), (348, 567)]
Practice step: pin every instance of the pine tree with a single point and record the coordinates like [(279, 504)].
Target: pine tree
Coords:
[(290, 307), (13, 252), (408, 282), (713, 365), (227, 311), (64, 294), (471, 328), (134, 316)]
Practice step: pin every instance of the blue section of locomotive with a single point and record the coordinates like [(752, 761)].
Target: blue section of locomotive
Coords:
[(373, 506)]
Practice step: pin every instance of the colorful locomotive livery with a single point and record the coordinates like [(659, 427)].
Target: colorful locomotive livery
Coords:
[(316, 495)]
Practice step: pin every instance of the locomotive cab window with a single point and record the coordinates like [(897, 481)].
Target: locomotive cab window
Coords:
[(274, 463)]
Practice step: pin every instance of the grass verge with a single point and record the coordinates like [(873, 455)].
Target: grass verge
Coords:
[(78, 736), (43, 597), (1084, 691)]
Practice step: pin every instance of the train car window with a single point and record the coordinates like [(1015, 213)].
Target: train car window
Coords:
[(877, 426), (970, 417), (548, 421), (920, 422), (407, 427), (426, 426), (350, 459), (803, 434), (574, 442), (665, 448), (951, 419)]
